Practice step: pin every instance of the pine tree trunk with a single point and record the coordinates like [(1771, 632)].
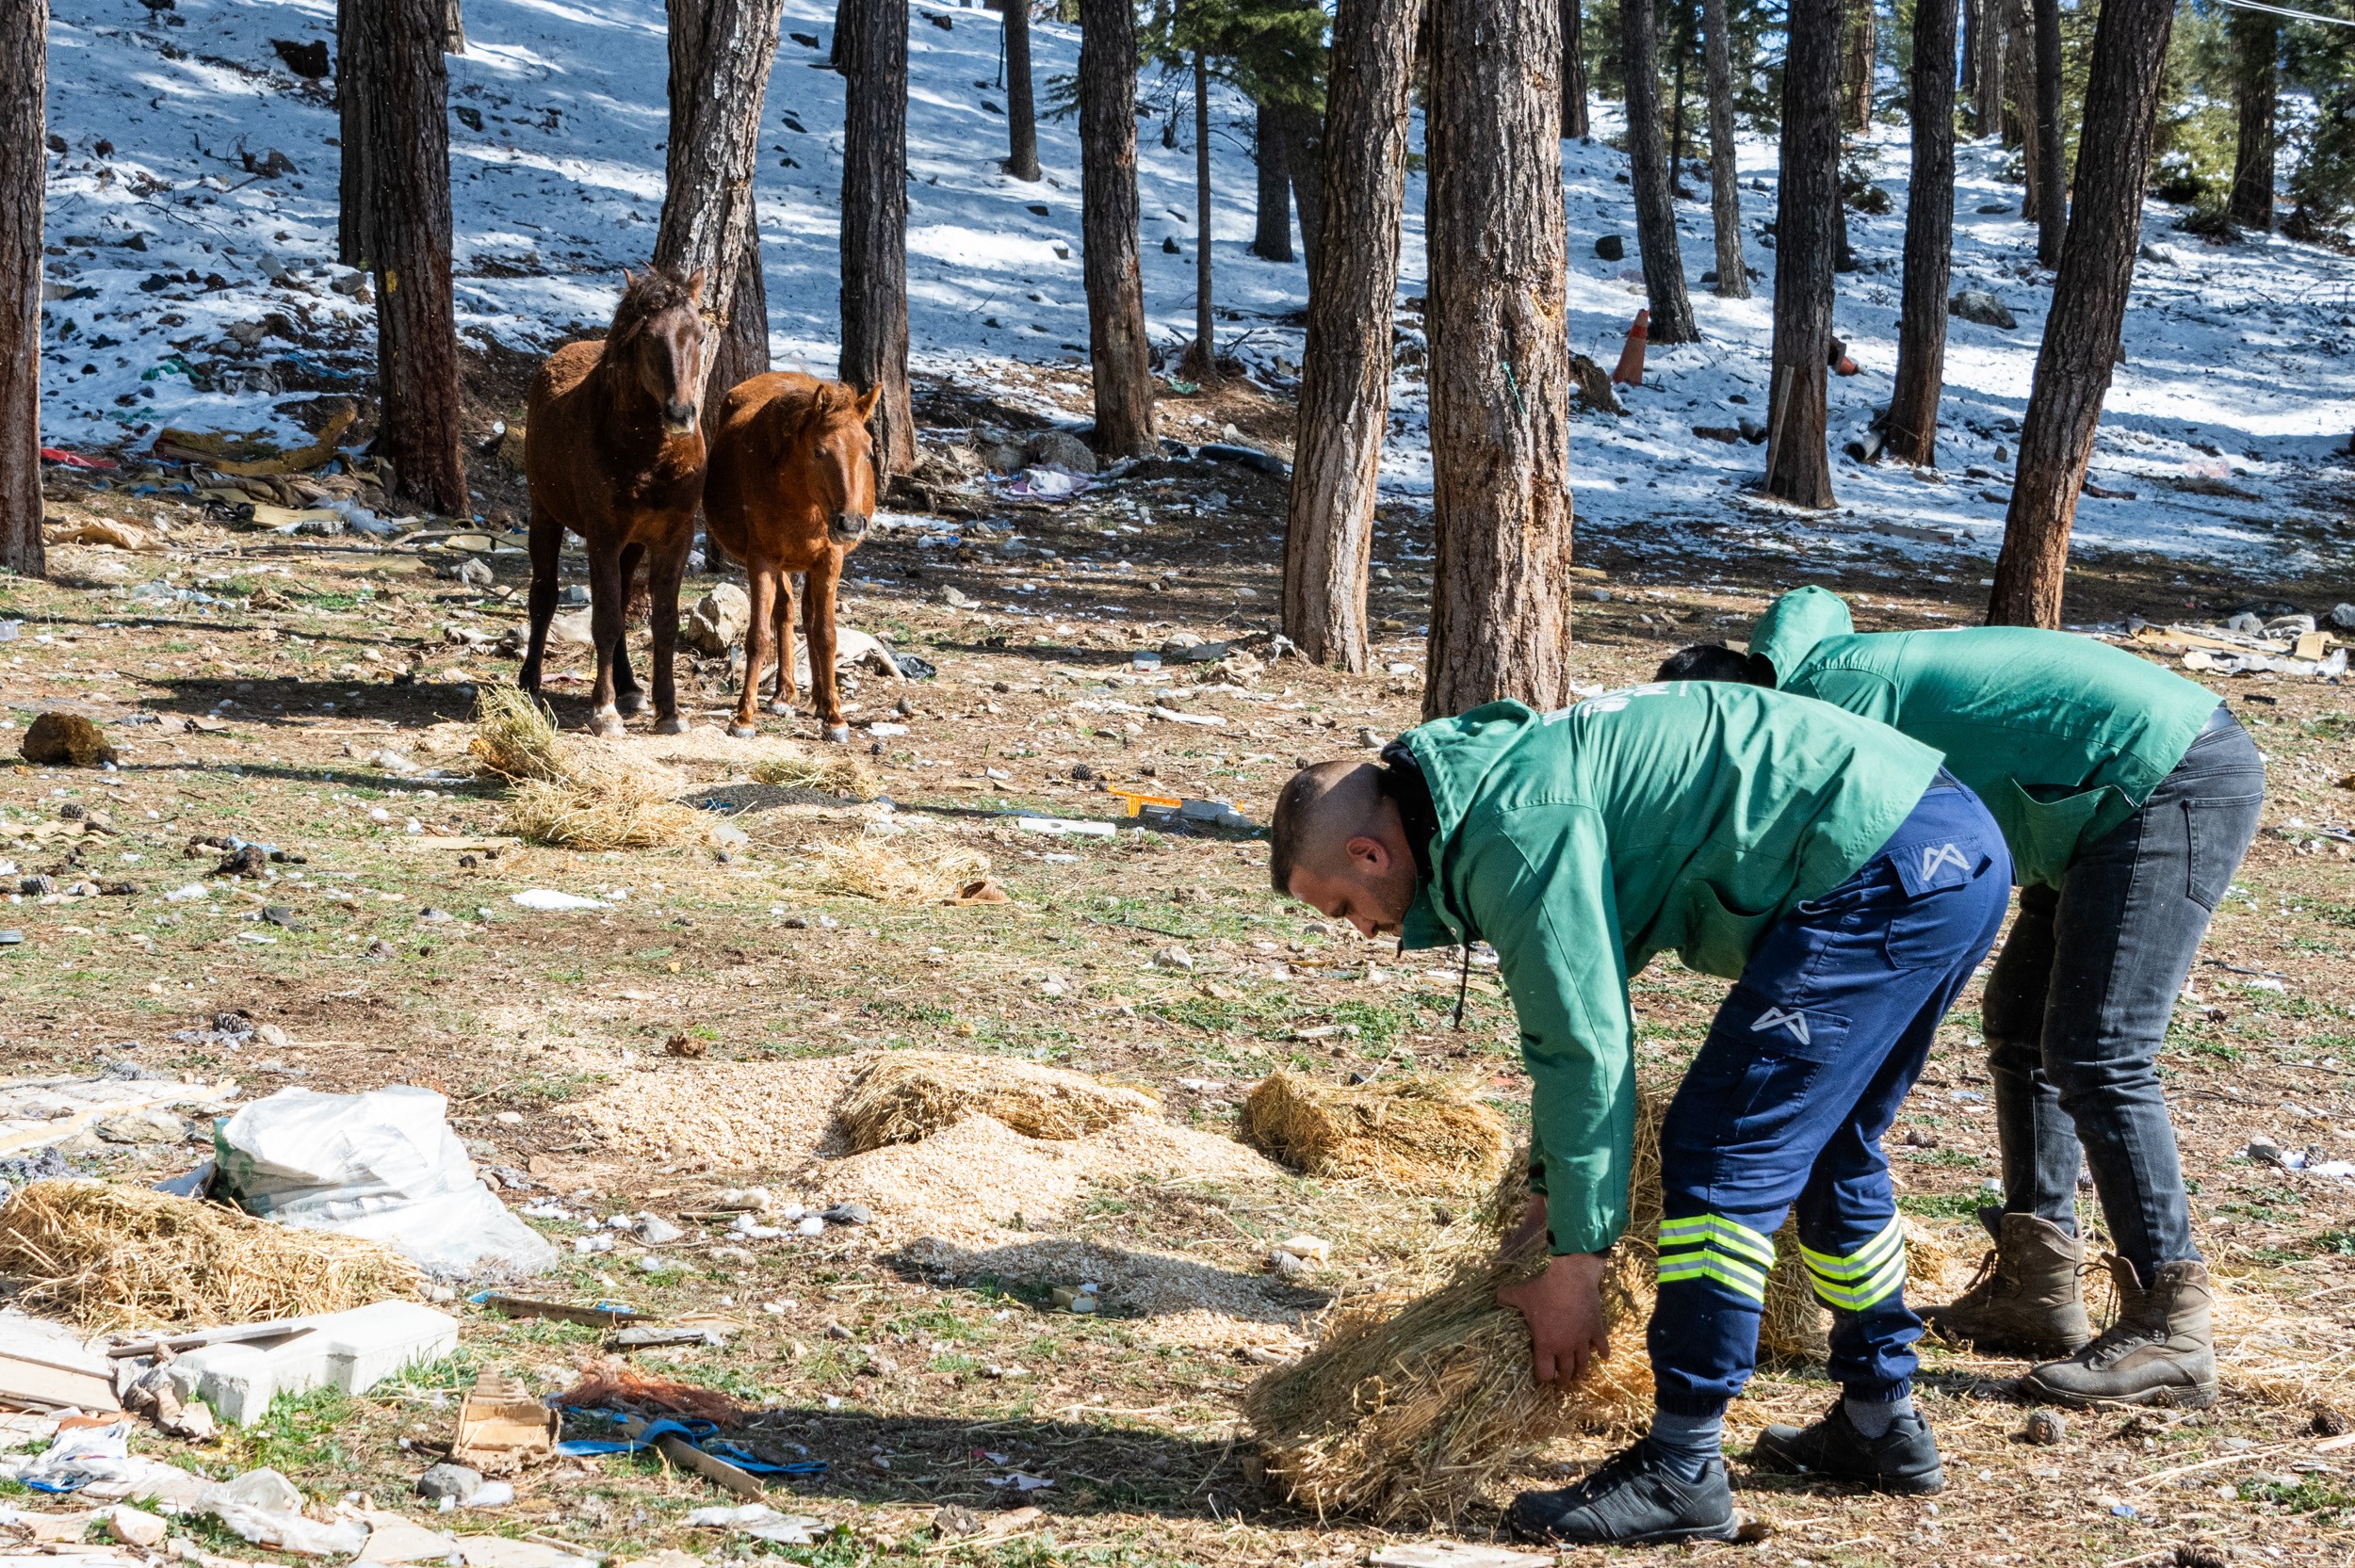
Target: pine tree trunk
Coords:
[(1110, 267), (1648, 162), (1205, 355), (2256, 43), (1725, 177), (1345, 368), (1986, 87), (1273, 238), (1500, 358), (395, 48), (1855, 69), (720, 55), (1573, 72), (1676, 100), (2019, 90), (353, 112), (24, 174), (875, 225), (2051, 176), (741, 351), (1968, 91), (1304, 158), (453, 28), (1912, 425), (1807, 243), (1021, 111), (2123, 87)]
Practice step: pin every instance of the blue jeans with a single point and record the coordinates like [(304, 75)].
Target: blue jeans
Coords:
[(1803, 1070), (2079, 1002)]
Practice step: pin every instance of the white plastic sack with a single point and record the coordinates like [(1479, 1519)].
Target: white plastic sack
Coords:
[(382, 1165), (264, 1507)]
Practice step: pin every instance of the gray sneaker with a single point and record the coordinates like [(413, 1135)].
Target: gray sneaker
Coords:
[(1633, 1500)]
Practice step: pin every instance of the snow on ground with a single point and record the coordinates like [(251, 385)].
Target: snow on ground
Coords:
[(2237, 383)]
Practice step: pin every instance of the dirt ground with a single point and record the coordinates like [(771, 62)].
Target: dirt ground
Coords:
[(315, 694)]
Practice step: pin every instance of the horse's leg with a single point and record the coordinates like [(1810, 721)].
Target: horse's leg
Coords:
[(781, 697), (606, 587), (626, 697), (760, 640), (666, 567), (825, 575), (547, 545)]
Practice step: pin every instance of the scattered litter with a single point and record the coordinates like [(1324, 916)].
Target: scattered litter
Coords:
[(36, 1113), (502, 1427), (547, 901), (759, 1521), (266, 1509), (1455, 1554), (1065, 826), (45, 1366), (621, 1388)]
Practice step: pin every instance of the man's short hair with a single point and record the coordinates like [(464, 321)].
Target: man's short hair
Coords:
[(1295, 810), (1714, 661)]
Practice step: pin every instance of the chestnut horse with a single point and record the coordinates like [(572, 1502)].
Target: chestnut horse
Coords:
[(791, 488), (614, 452)]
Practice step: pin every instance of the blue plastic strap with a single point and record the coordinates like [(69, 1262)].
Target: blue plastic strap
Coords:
[(695, 1434)]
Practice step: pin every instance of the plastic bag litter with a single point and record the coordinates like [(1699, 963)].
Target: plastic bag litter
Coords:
[(383, 1166), (264, 1507), (550, 900), (760, 1521)]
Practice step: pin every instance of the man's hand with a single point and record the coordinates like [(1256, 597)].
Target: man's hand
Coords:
[(1564, 1307), (1528, 1228)]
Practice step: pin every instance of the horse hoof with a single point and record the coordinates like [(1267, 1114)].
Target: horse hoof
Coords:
[(608, 724), (673, 725), (744, 732), (838, 734), (632, 701), (781, 708)]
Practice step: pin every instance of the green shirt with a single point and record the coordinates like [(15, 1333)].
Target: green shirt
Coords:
[(2063, 738), (1684, 818)]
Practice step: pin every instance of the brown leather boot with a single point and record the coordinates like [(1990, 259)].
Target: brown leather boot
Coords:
[(2025, 1301), (2160, 1352)]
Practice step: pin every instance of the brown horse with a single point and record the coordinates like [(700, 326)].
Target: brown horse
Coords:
[(614, 453), (791, 488)]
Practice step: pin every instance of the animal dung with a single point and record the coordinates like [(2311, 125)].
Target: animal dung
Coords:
[(65, 739), (1416, 1133), (907, 1096)]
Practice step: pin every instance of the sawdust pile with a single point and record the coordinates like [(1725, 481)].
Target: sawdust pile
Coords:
[(907, 1096), (1422, 1135), (111, 1256), (570, 792), (740, 1116)]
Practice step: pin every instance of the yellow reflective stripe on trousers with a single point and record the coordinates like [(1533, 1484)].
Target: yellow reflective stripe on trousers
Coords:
[(1716, 1230), (1710, 1246), (1866, 1276)]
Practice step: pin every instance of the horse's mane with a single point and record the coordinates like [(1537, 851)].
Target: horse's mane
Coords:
[(651, 292)]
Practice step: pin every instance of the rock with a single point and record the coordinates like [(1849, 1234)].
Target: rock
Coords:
[(133, 1527), (1730, 434), (683, 1044), (65, 739), (717, 622), (1172, 957), (1611, 247), (571, 631), (1000, 456), (1594, 385), (1977, 304), (2045, 1428), (272, 1036), (1752, 431), (2245, 621), (655, 1231), (1060, 448), (454, 1482), (468, 570), (849, 1214), (2343, 616), (2328, 1421), (955, 597)]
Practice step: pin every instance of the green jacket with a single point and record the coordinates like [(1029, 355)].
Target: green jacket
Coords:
[(1684, 817), (2063, 738)]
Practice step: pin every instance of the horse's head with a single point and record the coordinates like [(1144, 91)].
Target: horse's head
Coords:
[(658, 342), (840, 453)]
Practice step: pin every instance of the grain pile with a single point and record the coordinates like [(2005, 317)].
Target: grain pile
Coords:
[(1416, 1133), (567, 791), (112, 1256), (907, 1096)]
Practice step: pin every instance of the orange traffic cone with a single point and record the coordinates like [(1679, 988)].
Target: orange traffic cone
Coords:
[(1630, 368)]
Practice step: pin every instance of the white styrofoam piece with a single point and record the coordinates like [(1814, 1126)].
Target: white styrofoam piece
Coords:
[(351, 1350)]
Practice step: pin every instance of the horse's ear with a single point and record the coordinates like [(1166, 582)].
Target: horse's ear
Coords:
[(695, 287), (867, 401)]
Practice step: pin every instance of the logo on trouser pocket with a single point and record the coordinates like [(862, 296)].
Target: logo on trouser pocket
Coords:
[(1790, 1019), (1942, 855)]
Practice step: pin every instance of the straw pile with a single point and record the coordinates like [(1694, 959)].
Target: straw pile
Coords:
[(865, 870), (126, 1257), (1416, 1134), (908, 1095), (567, 794), (845, 777)]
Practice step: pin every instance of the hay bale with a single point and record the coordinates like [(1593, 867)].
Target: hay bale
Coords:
[(1405, 1413), (568, 795), (515, 736), (845, 777), (908, 1095), (1419, 1134), (112, 1256)]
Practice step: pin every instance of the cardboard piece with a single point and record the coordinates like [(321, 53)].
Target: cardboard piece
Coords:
[(45, 1366), (502, 1427)]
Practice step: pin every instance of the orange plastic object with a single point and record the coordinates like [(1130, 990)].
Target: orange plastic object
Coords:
[(1631, 366), (1137, 802)]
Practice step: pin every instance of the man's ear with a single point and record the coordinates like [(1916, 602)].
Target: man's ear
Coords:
[(1367, 852)]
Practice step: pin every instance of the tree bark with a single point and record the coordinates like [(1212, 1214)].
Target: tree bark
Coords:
[(1986, 86), (395, 48), (1856, 65), (2123, 87), (2052, 181), (1345, 368), (453, 28), (1912, 425), (2256, 43), (1807, 244), (1304, 157), (741, 351), (1676, 99), (354, 179), (1111, 268), (1021, 111), (875, 225), (1205, 354), (1272, 238), (1573, 72), (24, 174), (1725, 176), (1647, 161), (1500, 358), (720, 55)]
